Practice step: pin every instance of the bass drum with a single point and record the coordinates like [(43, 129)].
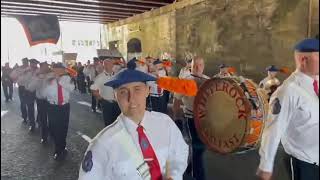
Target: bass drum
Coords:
[(229, 114)]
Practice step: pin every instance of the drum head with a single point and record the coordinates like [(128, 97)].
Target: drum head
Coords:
[(221, 113)]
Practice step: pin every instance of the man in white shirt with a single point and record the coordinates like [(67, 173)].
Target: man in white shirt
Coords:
[(38, 84), (223, 71), (29, 96), (271, 82), (155, 99), (139, 144), (92, 72), (185, 71), (196, 167), (294, 118), (57, 93), (110, 108), (17, 75)]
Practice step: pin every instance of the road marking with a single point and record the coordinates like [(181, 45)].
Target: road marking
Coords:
[(3, 113), (84, 103), (87, 104), (85, 137)]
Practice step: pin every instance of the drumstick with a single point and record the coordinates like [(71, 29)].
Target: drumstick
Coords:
[(168, 170)]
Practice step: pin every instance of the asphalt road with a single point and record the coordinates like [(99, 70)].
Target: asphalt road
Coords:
[(24, 158)]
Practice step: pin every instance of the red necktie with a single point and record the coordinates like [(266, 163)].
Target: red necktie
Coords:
[(148, 153), (60, 96), (316, 87), (159, 90)]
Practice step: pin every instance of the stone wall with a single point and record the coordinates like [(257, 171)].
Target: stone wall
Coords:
[(247, 34)]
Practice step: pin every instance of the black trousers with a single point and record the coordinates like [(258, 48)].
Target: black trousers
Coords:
[(110, 111), (301, 170), (93, 99), (27, 100), (58, 117), (7, 89), (42, 117), (89, 83), (165, 101), (195, 168), (155, 104)]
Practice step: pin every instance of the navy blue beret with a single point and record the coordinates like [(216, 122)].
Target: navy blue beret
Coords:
[(308, 45), (223, 66), (129, 75), (272, 68), (157, 62), (58, 65), (34, 61), (25, 59)]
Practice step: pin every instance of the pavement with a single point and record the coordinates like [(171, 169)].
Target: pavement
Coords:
[(24, 158)]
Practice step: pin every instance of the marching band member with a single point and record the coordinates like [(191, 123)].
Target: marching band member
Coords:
[(167, 65), (155, 99), (142, 65), (185, 71), (57, 93), (23, 76), (92, 72), (39, 83), (294, 118), (224, 71), (17, 75), (196, 167), (7, 82), (271, 82), (110, 108), (139, 144)]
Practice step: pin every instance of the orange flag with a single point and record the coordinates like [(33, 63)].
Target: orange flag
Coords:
[(186, 87)]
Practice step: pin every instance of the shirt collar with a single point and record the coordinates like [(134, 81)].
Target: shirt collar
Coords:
[(303, 78), (131, 126), (108, 74)]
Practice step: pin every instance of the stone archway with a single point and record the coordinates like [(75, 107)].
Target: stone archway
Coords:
[(134, 48)]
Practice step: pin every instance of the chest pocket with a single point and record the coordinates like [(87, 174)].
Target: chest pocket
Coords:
[(306, 115)]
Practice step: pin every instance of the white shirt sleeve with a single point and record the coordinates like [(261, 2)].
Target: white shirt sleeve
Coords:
[(281, 108), (178, 153), (96, 166), (65, 82), (34, 84), (96, 84)]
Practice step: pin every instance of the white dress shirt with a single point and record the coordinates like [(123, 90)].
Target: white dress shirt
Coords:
[(184, 72), (111, 162), (105, 92), (51, 90), (90, 71), (155, 90), (22, 75), (263, 82), (294, 121), (39, 83)]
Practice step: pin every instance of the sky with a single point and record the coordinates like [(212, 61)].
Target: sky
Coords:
[(75, 37)]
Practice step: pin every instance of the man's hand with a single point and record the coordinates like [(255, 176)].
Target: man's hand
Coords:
[(169, 178), (263, 175)]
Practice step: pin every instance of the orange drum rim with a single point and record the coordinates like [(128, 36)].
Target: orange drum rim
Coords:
[(199, 116)]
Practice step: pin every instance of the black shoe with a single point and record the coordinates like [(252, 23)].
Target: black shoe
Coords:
[(55, 156), (7, 100), (93, 110), (24, 121), (31, 128), (60, 156), (43, 141)]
